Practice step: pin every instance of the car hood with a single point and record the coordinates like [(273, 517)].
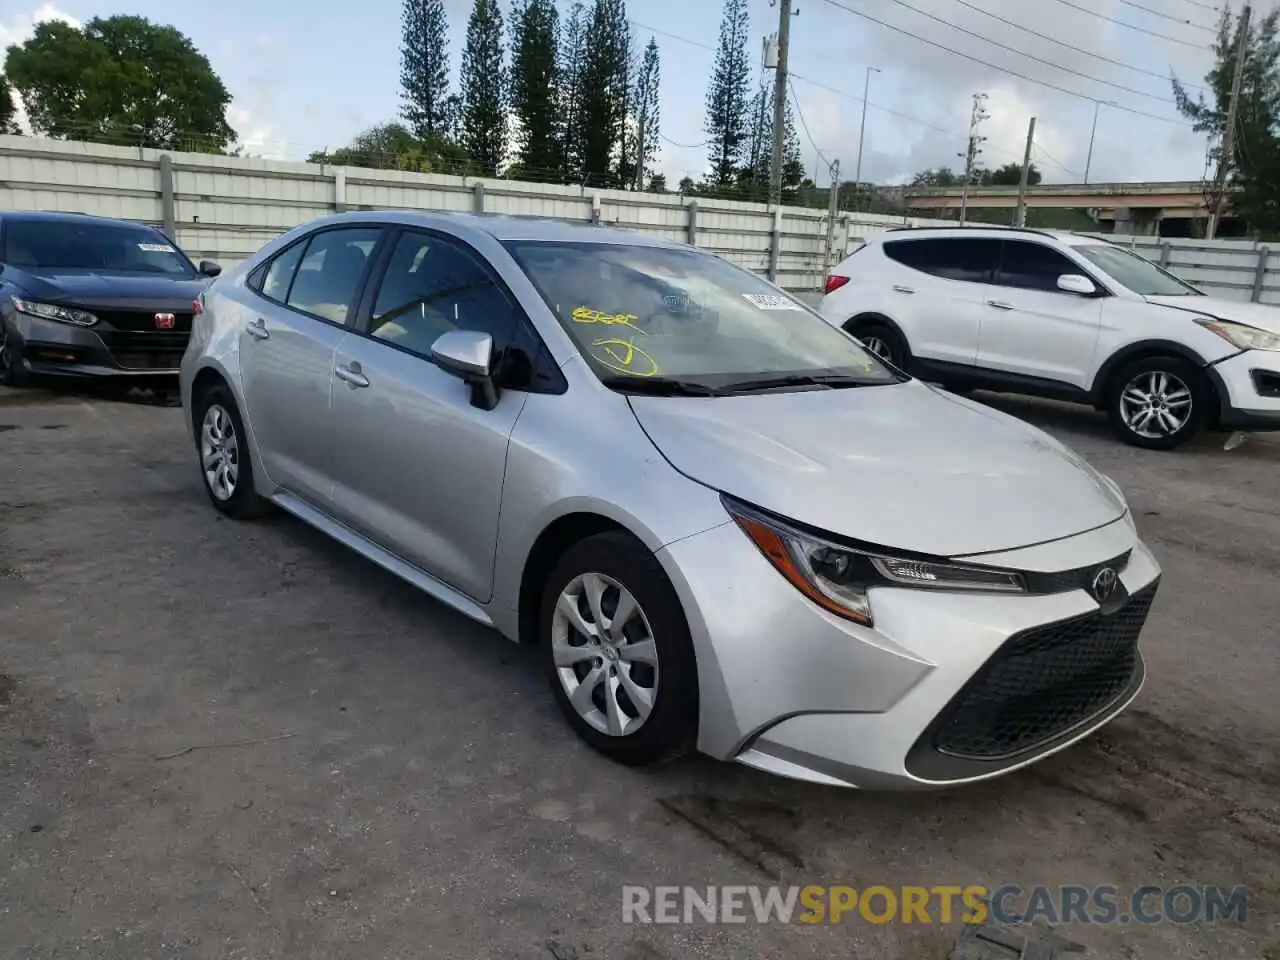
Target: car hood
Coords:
[(905, 466), (93, 288), (1253, 314)]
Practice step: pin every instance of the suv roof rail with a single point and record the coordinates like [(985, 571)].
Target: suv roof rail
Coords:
[(979, 226)]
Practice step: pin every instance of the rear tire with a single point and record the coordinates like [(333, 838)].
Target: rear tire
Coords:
[(223, 453), (1159, 403), (631, 690), (884, 341)]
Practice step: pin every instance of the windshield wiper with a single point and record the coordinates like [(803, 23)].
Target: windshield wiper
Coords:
[(660, 386), (833, 381)]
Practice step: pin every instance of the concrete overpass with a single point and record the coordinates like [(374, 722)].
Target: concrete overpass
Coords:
[(1136, 208)]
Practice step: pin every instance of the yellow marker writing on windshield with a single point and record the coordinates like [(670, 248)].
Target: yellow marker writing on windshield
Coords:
[(625, 357), (587, 315)]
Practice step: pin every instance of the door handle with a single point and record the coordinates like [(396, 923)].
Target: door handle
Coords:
[(1000, 304), (351, 375), (901, 289), (258, 329)]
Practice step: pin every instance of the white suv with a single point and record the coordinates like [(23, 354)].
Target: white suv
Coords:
[(1064, 316)]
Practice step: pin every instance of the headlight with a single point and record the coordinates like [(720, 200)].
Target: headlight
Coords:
[(837, 577), (1241, 336), (51, 311)]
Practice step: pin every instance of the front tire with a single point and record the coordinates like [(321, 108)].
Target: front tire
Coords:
[(1159, 403), (884, 341), (11, 372), (617, 651), (225, 465)]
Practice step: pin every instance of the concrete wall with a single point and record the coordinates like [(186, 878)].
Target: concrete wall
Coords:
[(226, 208)]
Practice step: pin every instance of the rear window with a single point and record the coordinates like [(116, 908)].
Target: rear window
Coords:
[(86, 245), (970, 259)]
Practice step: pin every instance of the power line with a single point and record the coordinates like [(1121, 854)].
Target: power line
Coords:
[(1054, 160), (1129, 26), (684, 146), (800, 113), (1068, 46), (1029, 56), (1166, 16), (1203, 6), (992, 66)]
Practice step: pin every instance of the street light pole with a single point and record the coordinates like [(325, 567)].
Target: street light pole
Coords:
[(862, 134), (1088, 162)]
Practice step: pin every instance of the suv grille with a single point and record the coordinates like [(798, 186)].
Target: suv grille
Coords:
[(1044, 682)]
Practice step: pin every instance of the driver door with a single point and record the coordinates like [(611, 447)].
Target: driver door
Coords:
[(419, 469)]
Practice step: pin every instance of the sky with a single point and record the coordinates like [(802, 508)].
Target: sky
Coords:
[(309, 74)]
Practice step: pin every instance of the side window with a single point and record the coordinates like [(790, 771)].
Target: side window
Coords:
[(1032, 266), (329, 274), (970, 259), (275, 285), (433, 285)]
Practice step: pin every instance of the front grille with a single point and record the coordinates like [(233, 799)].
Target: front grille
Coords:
[(1045, 682), (1081, 578), (157, 350), (142, 321)]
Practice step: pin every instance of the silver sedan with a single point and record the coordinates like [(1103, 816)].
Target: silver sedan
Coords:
[(726, 524)]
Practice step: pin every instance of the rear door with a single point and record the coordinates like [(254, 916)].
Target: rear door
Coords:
[(298, 314), (1030, 327), (941, 296)]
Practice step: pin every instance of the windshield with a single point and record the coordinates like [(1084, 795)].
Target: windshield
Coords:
[(84, 245), (1141, 276), (675, 315)]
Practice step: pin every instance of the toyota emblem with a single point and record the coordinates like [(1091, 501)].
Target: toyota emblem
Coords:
[(164, 321), (1104, 584)]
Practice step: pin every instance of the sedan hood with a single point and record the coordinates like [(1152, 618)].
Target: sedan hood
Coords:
[(1252, 314), (905, 466), (92, 288)]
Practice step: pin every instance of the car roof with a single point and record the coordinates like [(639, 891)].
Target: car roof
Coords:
[(56, 216), (505, 228), (969, 230)]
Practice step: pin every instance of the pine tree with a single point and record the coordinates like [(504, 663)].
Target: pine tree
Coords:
[(603, 107), (484, 115), (792, 162), (726, 123), (572, 55), (535, 86), (424, 67), (645, 103), (758, 153)]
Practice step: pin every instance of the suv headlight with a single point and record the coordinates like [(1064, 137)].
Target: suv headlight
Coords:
[(837, 577), (51, 311), (1241, 335)]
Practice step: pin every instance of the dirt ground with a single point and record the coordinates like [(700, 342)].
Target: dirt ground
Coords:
[(242, 741)]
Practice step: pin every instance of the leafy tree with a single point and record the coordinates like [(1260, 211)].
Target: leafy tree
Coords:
[(603, 83), (117, 78), (535, 86), (941, 177), (726, 123), (1010, 175), (484, 114), (687, 186), (648, 117), (658, 183), (392, 146), (424, 66), (8, 112), (1253, 169), (572, 58)]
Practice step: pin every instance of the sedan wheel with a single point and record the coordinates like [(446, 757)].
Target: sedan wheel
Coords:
[(225, 464), (605, 654), (219, 453)]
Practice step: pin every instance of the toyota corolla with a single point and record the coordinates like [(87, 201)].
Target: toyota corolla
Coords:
[(724, 522)]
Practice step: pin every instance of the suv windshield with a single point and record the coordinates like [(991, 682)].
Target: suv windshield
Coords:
[(84, 245), (688, 320), (1141, 276)]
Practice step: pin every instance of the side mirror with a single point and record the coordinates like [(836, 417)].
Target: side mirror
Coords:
[(468, 355), (1076, 283), (208, 268)]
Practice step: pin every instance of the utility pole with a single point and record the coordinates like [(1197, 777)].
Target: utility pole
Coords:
[(862, 136), (1020, 217), (833, 208), (640, 149), (976, 116), (780, 101), (1229, 134)]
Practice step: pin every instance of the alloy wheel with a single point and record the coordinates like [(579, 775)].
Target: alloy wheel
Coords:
[(219, 452), (876, 345), (605, 655), (1155, 404)]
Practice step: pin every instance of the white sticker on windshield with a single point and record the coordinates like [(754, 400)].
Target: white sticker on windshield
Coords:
[(767, 301), (156, 247)]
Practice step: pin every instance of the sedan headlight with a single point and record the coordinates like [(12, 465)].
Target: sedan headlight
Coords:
[(51, 311), (837, 577), (1240, 335)]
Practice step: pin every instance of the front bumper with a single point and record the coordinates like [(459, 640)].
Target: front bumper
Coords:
[(46, 348), (789, 688), (1248, 386)]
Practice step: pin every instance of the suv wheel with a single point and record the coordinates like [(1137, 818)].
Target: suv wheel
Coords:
[(617, 651), (225, 464), (1159, 403), (882, 340)]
